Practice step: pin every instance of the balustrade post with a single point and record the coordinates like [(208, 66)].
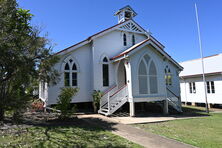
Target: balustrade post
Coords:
[(108, 103)]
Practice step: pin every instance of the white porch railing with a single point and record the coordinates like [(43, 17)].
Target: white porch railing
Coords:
[(174, 100), (113, 100)]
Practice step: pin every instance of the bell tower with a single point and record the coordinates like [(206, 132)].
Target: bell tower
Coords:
[(125, 13)]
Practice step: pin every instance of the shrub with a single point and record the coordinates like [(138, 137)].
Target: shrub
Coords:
[(97, 95), (64, 102)]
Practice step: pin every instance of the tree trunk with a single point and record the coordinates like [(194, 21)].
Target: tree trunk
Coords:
[(2, 113)]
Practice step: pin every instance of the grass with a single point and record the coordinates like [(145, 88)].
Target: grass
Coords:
[(77, 135), (204, 132)]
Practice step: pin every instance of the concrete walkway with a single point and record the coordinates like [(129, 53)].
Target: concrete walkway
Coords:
[(133, 134)]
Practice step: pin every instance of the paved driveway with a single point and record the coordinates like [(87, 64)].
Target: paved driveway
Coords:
[(131, 133)]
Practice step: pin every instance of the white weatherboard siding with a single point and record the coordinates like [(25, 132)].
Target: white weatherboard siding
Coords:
[(199, 97), (193, 73), (109, 45), (82, 57)]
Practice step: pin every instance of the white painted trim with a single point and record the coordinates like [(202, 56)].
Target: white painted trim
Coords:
[(148, 75), (158, 49)]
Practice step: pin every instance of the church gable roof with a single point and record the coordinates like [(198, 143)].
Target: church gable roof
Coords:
[(129, 26), (143, 43)]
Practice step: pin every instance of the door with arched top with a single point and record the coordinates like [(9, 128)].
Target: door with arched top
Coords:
[(121, 75)]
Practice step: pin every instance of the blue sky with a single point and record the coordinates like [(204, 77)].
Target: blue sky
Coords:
[(172, 22)]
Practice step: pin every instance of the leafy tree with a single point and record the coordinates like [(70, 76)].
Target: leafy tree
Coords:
[(64, 102), (25, 57)]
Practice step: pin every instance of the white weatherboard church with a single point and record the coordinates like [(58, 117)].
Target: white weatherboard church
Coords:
[(125, 62)]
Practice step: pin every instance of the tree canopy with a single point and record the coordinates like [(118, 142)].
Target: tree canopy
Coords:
[(25, 57)]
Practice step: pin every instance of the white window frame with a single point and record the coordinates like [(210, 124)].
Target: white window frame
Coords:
[(147, 66), (70, 71)]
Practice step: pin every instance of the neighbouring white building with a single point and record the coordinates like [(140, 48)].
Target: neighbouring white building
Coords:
[(191, 80), (125, 62)]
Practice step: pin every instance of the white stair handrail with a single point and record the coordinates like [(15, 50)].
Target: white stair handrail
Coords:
[(175, 103), (111, 101)]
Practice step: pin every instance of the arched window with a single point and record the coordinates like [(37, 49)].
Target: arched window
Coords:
[(70, 73), (124, 40), (153, 78), (147, 73), (133, 39), (143, 88), (168, 76), (105, 68)]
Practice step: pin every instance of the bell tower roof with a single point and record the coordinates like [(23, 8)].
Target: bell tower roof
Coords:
[(125, 13)]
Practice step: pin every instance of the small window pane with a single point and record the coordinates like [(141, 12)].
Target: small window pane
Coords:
[(147, 59), (67, 66), (153, 84), (190, 87), (66, 78), (166, 79), (152, 70), (142, 69), (194, 87), (212, 87), (105, 75), (169, 71), (74, 79), (105, 60), (208, 87), (143, 89), (165, 70), (74, 67), (124, 39), (169, 79), (133, 40)]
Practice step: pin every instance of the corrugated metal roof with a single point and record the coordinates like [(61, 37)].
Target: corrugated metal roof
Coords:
[(212, 64)]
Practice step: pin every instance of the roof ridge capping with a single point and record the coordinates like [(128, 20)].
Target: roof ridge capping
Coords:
[(210, 56)]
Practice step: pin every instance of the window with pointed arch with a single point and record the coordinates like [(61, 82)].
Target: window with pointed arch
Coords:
[(147, 75), (133, 40), (124, 40), (168, 75), (105, 69), (70, 73)]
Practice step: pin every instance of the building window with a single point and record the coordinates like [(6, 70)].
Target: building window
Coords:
[(147, 75), (192, 87), (168, 76), (153, 78), (133, 40), (210, 87), (143, 88), (105, 68), (70, 74), (124, 40)]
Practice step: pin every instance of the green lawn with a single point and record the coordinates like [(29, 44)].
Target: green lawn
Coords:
[(205, 132), (62, 136)]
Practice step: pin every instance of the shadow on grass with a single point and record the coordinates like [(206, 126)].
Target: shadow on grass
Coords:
[(187, 112), (74, 132)]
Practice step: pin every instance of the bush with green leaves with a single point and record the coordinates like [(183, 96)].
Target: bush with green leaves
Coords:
[(26, 56), (64, 102), (97, 95)]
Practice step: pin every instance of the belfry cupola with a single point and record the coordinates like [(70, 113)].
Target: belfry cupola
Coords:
[(125, 13)]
